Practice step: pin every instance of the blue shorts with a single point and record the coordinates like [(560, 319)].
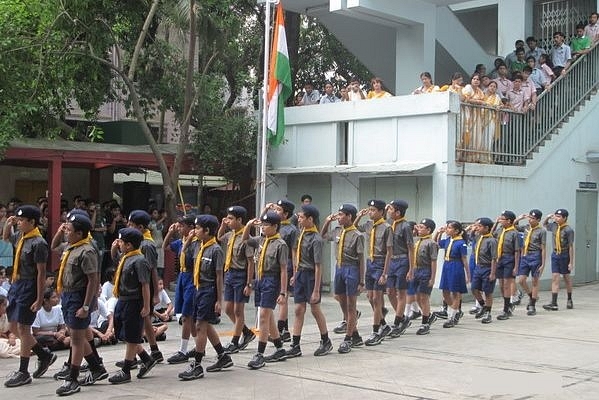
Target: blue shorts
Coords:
[(374, 271), (203, 304), (480, 280), (559, 263), (289, 270), (71, 302), (184, 294), (398, 270), (422, 276), (529, 264), (453, 277), (235, 281), (267, 291), (347, 279), (505, 267), (472, 263), (303, 286), (21, 295), (128, 323)]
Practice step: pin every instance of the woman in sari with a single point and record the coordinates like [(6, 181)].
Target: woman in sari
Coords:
[(472, 124)]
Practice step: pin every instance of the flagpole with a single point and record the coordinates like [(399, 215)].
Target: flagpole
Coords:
[(263, 154)]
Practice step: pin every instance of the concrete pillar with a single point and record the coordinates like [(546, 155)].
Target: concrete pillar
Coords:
[(514, 22), (54, 195)]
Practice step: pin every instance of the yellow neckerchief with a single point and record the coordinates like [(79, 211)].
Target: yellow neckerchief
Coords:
[(501, 238), (183, 256), (479, 242), (148, 235), (230, 246), (35, 232), (299, 242), (63, 262), (558, 239), (397, 221), (527, 240), (263, 252), (342, 242), (372, 236), (448, 250), (119, 270), (286, 222), (417, 246), (198, 263)]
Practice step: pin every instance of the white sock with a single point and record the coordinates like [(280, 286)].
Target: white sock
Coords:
[(415, 307), (406, 310), (184, 344), (477, 304), (450, 312)]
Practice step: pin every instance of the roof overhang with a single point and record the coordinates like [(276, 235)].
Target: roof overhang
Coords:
[(425, 167)]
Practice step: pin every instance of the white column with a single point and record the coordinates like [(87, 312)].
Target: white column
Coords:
[(514, 22)]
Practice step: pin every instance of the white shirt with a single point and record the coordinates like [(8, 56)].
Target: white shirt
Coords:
[(48, 320), (164, 300), (99, 315), (106, 290)]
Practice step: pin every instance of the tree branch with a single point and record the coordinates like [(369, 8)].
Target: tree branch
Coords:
[(142, 38)]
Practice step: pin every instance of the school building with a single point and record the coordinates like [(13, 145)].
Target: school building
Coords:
[(448, 160)]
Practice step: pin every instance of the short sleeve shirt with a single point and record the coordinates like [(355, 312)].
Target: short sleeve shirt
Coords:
[(148, 248), (487, 251), (402, 238), (561, 55), (511, 242), (135, 272), (213, 261), (241, 251), (49, 320), (82, 261), (427, 253), (353, 245), (35, 250), (310, 251), (458, 249), (383, 238), (277, 254), (289, 234), (538, 239), (566, 235)]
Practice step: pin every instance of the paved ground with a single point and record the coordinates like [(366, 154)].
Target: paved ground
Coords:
[(553, 355)]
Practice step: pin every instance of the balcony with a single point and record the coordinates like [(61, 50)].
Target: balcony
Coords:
[(403, 134)]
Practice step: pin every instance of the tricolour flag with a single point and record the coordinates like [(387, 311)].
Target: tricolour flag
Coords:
[(279, 81)]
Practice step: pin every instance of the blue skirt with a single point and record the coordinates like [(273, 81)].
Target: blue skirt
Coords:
[(453, 277)]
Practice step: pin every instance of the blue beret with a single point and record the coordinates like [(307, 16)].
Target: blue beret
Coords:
[(237, 211), (429, 223), (484, 221), (77, 211), (188, 219), (563, 212), (207, 221), (80, 222), (537, 214), (286, 205), (29, 212), (349, 209), (131, 235), (271, 217), (379, 204), (310, 211), (140, 217), (509, 215), (401, 205)]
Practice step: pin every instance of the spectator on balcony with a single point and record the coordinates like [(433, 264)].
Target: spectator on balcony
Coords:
[(427, 84), (457, 81), (378, 91), (492, 99), (561, 55), (329, 96), (311, 95), (504, 85), (510, 58), (495, 73), (580, 44), (343, 92), (472, 93), (297, 101), (592, 29), (519, 63), (528, 87), (533, 50), (354, 90), (472, 122), (480, 69), (546, 68), (515, 96), (538, 77), (485, 80)]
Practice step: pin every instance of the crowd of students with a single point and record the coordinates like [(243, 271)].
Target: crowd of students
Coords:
[(273, 255)]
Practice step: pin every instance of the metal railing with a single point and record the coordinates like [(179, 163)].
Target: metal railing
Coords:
[(498, 136)]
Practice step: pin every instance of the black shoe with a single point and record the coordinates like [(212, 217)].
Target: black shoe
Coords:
[(441, 314), (341, 328), (94, 376), (246, 339), (512, 308), (401, 328), (345, 347), (474, 310), (385, 330), (458, 316), (224, 361), (374, 339), (503, 316), (324, 348), (278, 355), (432, 319), (84, 367), (18, 378), (64, 372), (570, 304), (480, 313), (517, 301), (356, 341), (550, 307), (231, 348), (415, 315), (531, 310), (121, 364), (68, 387), (192, 353), (120, 377), (487, 319), (424, 329), (257, 361), (43, 364), (146, 367), (286, 336), (157, 356), (450, 323), (194, 371), (178, 358), (294, 351)]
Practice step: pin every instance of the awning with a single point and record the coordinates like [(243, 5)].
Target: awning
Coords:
[(426, 167)]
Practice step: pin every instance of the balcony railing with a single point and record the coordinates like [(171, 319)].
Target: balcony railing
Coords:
[(497, 136)]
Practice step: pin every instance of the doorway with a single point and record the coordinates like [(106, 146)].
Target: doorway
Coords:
[(585, 239)]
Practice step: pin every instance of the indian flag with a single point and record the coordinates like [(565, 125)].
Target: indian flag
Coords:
[(279, 81)]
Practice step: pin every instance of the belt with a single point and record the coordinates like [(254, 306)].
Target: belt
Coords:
[(399, 256), (484, 266), (305, 269)]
